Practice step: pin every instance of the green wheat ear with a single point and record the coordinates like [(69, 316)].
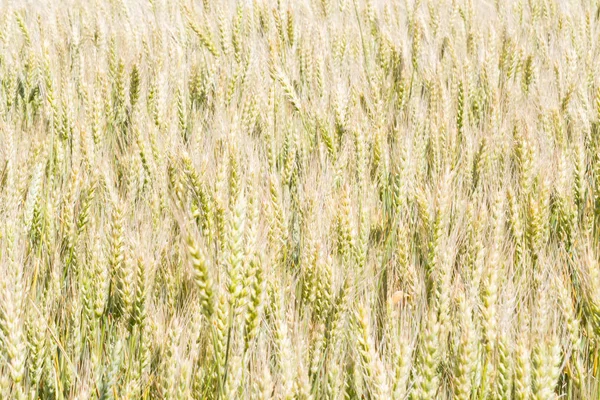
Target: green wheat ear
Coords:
[(201, 277)]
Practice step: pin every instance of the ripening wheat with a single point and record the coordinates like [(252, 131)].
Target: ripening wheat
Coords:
[(299, 199)]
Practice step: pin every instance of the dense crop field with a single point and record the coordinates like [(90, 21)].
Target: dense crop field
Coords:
[(299, 199)]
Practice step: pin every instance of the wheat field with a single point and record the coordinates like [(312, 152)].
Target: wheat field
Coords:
[(299, 199)]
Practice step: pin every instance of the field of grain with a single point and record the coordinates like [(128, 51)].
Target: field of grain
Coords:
[(299, 199)]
